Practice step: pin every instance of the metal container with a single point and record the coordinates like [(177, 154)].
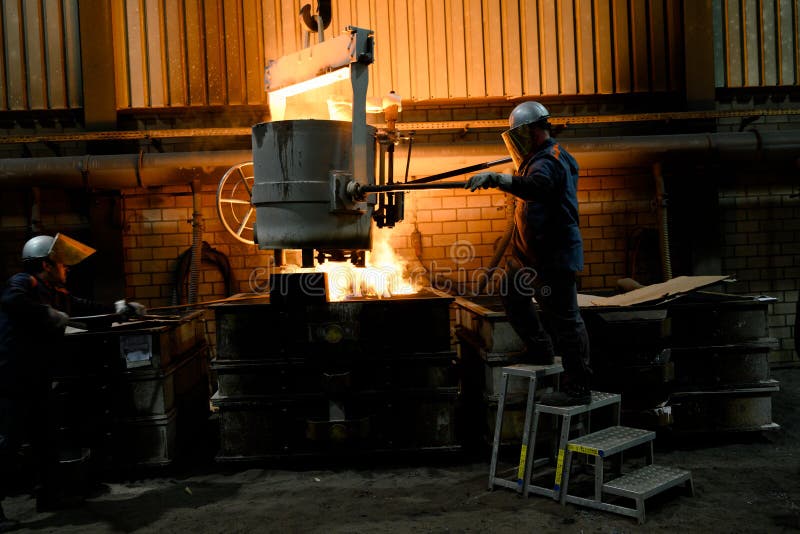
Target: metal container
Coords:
[(487, 343), (343, 330), (128, 392), (297, 376), (724, 320), (155, 392), (484, 320), (742, 364), (155, 344), (732, 410), (620, 332), (254, 428), (293, 162), (316, 377), (145, 440)]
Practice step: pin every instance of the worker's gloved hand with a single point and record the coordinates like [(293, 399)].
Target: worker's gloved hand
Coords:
[(137, 310), (59, 318), (485, 180), (129, 309)]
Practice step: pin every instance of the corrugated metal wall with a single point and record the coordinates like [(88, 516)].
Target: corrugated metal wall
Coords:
[(189, 52), (756, 43), (494, 48), (176, 53), (40, 55), (212, 52)]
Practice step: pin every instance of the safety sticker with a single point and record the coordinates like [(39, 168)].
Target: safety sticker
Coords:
[(559, 470), (586, 450), (521, 469)]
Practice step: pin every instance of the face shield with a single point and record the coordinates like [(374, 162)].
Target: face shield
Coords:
[(519, 143), (69, 251)]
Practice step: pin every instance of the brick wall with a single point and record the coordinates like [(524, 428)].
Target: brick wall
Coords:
[(158, 230), (59, 211), (457, 231), (761, 245)]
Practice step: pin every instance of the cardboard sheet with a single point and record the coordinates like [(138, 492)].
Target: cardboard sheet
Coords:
[(652, 293)]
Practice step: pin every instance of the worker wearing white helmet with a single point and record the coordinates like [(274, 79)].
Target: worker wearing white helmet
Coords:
[(547, 249), (34, 309)]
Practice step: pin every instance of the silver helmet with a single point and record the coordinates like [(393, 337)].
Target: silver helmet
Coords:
[(60, 249), (519, 136)]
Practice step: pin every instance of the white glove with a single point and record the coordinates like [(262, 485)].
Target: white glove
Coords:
[(485, 180), (59, 318), (130, 309), (138, 310)]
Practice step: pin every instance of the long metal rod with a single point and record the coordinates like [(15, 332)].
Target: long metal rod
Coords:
[(458, 172), (208, 302), (411, 186)]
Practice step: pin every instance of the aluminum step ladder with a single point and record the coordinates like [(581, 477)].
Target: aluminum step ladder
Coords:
[(532, 373), (637, 485), (565, 414)]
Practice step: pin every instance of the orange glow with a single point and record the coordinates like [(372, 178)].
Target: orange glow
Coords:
[(302, 100), (383, 277)]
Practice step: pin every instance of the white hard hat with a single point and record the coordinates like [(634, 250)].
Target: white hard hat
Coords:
[(37, 247), (61, 248), (527, 113)]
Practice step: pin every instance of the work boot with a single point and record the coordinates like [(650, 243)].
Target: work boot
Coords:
[(6, 524), (568, 397)]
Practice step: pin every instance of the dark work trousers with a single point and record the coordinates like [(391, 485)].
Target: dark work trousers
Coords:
[(559, 329), (12, 430), (22, 421)]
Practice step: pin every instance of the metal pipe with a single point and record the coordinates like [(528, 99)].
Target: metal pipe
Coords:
[(502, 244), (124, 171), (737, 148), (120, 171), (663, 222)]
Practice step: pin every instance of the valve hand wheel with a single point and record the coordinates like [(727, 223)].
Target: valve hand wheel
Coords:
[(234, 193)]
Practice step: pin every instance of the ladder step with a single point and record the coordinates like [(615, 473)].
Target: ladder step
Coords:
[(647, 481), (528, 370), (599, 399), (610, 440)]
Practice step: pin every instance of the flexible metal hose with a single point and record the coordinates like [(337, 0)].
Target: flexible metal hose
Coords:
[(197, 243), (500, 249), (663, 222)]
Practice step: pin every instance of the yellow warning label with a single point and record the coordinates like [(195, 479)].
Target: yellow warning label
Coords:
[(584, 450), (521, 469), (559, 469)]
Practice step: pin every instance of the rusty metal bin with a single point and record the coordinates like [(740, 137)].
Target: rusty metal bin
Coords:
[(145, 441), (152, 344), (144, 392), (128, 392)]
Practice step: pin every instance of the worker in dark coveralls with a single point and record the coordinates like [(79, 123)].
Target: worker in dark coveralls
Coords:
[(547, 250), (34, 309)]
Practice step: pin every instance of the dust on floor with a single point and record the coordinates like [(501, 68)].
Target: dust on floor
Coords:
[(744, 483)]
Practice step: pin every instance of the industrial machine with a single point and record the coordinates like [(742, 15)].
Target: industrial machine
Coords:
[(294, 194), (312, 184), (300, 372)]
